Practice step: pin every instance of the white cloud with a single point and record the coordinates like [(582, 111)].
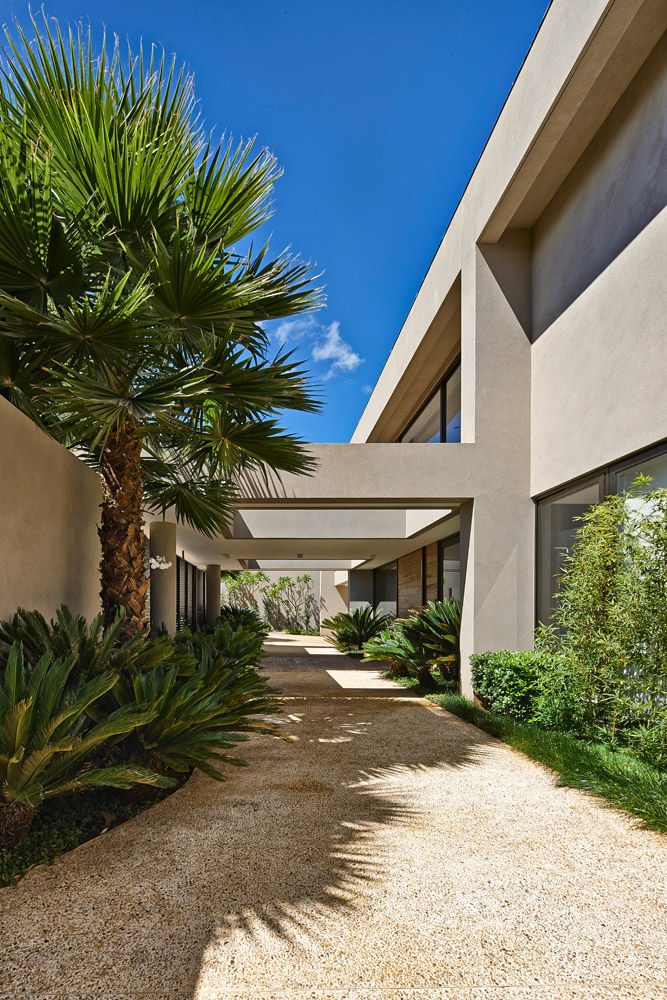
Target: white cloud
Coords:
[(325, 342), (331, 347)]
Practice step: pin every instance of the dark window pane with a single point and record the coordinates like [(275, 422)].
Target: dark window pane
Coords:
[(557, 526), (450, 568), (453, 407), (385, 588), (426, 425)]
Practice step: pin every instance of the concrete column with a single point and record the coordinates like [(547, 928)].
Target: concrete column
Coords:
[(498, 527), (361, 588), (163, 581), (498, 589), (212, 592)]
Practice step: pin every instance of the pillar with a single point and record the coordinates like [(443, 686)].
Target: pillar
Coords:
[(163, 581), (361, 588), (213, 571)]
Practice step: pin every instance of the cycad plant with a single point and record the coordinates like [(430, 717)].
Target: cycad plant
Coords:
[(195, 722), (48, 740), (131, 300), (96, 648), (351, 629), (405, 653)]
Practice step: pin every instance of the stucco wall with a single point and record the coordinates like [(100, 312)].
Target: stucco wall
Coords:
[(618, 186), (49, 508)]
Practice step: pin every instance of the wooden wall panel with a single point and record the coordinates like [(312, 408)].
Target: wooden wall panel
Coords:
[(409, 582), (432, 572)]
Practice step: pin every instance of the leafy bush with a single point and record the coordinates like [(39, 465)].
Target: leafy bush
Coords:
[(289, 604), (94, 647), (405, 657), (428, 637), (48, 740), (194, 721), (243, 617), (236, 645), (607, 650), (508, 682), (351, 629), (437, 627)]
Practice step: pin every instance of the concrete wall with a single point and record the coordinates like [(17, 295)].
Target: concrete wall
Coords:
[(618, 186), (49, 510)]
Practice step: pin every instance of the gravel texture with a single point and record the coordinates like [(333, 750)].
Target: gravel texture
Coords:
[(393, 852)]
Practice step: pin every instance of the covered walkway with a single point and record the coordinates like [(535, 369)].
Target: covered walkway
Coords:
[(392, 851)]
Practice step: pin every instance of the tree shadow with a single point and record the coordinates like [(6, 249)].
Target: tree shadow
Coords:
[(188, 894)]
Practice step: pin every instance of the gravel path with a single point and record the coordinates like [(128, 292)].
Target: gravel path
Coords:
[(392, 852)]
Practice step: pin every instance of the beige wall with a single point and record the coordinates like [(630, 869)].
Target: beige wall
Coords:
[(49, 509)]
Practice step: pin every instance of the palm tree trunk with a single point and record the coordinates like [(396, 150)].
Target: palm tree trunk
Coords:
[(122, 568)]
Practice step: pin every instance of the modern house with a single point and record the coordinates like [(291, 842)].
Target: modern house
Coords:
[(528, 380)]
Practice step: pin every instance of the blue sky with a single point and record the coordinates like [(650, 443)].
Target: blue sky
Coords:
[(377, 110)]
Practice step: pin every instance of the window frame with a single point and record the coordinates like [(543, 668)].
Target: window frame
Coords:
[(442, 542), (440, 388), (604, 476)]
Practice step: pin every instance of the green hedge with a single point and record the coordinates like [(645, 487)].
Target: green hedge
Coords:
[(508, 682)]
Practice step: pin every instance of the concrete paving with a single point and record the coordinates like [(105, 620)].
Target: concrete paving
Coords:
[(392, 851)]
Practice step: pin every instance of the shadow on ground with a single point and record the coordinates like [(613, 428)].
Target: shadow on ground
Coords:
[(218, 874)]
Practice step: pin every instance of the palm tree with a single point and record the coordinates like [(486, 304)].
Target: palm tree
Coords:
[(131, 299)]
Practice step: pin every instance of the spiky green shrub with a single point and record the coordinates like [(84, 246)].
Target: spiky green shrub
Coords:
[(48, 740), (233, 645), (196, 720), (243, 617), (94, 647), (437, 628), (405, 656), (351, 629)]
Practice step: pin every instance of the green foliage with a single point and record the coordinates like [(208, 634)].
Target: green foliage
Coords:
[(428, 637), (95, 648), (233, 645), (48, 740), (405, 654), (243, 617), (242, 589), (194, 721), (508, 682), (126, 296), (606, 655), (612, 775), (351, 629), (289, 604)]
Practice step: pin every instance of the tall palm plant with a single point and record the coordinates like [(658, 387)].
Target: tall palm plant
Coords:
[(131, 300)]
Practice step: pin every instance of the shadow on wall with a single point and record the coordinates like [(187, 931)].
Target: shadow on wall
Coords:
[(220, 881)]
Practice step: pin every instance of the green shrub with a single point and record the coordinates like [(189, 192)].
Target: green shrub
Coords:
[(94, 647), (195, 720), (606, 653), (507, 682), (351, 629), (48, 741), (436, 627), (236, 645), (243, 617), (405, 656)]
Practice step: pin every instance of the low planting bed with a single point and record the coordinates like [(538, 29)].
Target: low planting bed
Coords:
[(94, 728)]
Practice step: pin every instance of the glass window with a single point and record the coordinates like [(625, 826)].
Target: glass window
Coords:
[(453, 407), (449, 585), (440, 419), (655, 467), (385, 588), (556, 529), (426, 425)]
